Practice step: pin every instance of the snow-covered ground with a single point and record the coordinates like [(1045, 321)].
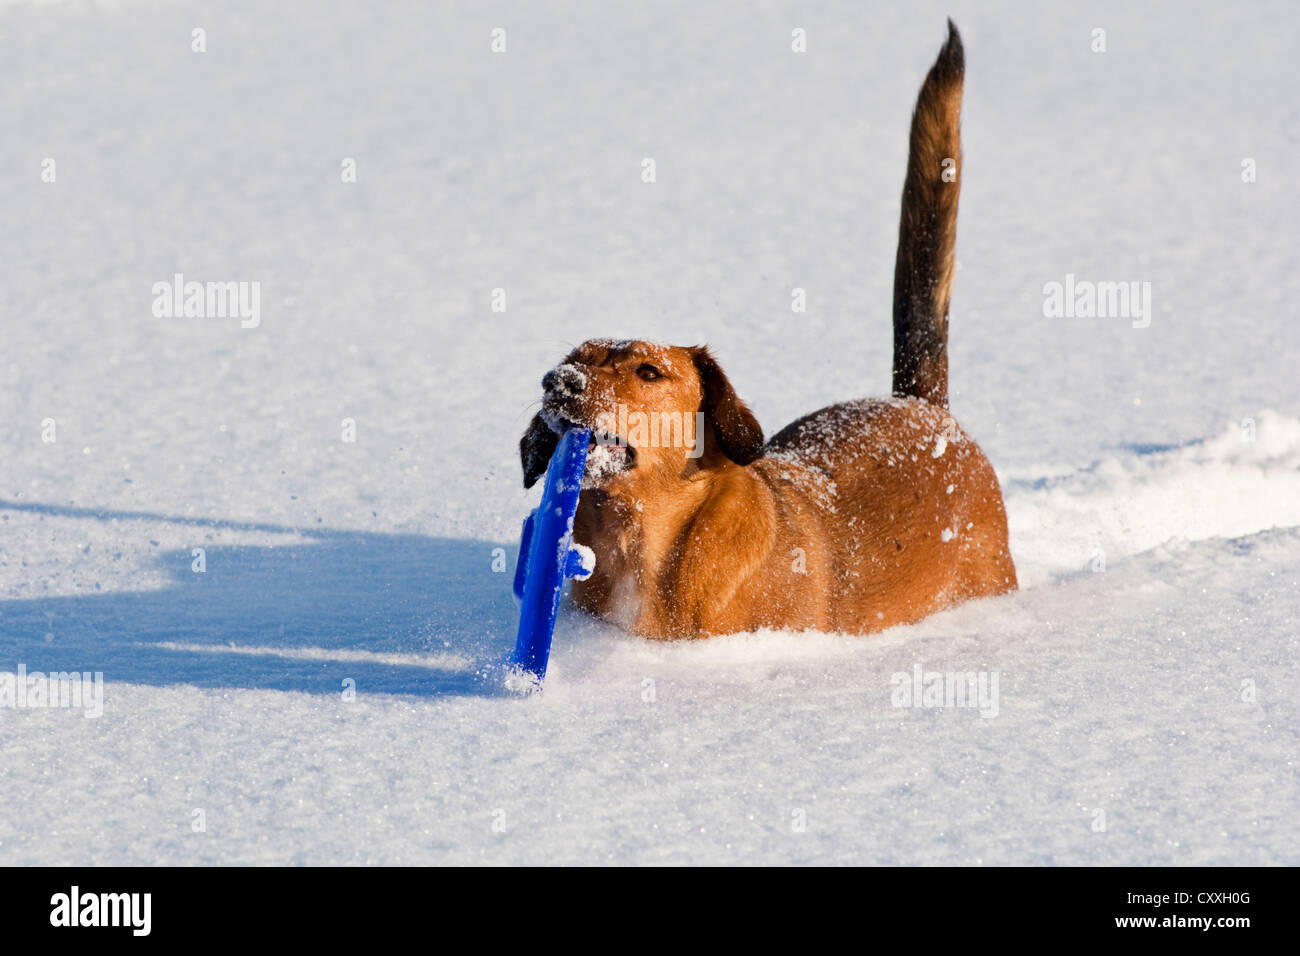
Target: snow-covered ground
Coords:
[(323, 692)]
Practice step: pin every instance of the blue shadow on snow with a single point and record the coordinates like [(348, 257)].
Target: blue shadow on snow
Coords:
[(340, 592)]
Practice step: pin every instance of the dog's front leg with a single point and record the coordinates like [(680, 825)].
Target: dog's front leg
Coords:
[(704, 578)]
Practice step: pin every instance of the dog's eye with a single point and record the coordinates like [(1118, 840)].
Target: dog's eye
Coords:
[(649, 373)]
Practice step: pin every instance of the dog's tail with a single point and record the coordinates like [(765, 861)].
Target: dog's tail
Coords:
[(927, 231)]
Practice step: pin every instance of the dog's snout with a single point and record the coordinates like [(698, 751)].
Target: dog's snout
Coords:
[(564, 380)]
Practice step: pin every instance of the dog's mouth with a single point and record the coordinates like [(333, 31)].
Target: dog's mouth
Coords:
[(608, 454)]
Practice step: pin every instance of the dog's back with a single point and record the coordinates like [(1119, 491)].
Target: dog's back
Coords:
[(915, 522)]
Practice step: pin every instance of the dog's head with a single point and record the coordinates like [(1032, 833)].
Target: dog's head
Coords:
[(652, 409)]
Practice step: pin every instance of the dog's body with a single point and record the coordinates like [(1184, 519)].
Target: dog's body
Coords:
[(855, 518)]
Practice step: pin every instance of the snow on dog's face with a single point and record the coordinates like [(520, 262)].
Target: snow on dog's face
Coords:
[(652, 410)]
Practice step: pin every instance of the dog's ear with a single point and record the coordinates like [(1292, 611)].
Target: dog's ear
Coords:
[(535, 450), (735, 426)]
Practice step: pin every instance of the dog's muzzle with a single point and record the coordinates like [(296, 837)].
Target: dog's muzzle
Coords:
[(564, 381), (562, 386)]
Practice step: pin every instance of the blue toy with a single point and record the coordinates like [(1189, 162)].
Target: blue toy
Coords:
[(547, 555)]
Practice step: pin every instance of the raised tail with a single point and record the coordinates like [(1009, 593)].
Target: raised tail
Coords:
[(927, 231)]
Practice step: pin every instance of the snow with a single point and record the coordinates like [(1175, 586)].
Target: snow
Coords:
[(328, 688), (586, 560)]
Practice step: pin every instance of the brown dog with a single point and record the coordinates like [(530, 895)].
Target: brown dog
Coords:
[(854, 518)]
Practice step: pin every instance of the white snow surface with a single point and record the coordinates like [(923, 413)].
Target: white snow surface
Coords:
[(327, 690)]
